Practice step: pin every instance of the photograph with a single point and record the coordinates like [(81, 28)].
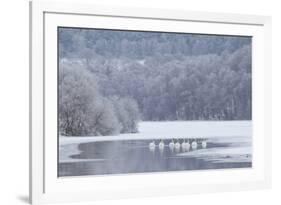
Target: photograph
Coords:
[(134, 101)]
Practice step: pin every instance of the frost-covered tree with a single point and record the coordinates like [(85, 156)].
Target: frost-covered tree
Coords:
[(82, 111), (127, 112), (169, 76), (105, 121)]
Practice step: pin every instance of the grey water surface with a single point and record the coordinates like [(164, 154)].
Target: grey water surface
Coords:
[(135, 156)]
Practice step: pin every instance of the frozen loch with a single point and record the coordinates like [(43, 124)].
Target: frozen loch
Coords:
[(152, 101), (160, 147)]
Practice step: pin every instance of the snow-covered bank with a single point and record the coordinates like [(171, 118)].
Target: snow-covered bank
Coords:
[(174, 129), (197, 128), (221, 132)]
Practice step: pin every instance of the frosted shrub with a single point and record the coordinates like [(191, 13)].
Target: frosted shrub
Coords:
[(82, 111)]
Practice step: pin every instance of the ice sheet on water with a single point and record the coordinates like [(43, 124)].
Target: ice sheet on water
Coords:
[(221, 154), (68, 150)]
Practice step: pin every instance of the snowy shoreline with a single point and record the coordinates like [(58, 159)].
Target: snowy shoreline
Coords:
[(174, 129), (226, 131)]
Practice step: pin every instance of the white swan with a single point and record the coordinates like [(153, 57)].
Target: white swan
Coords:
[(152, 146), (177, 146), (161, 145), (194, 145), (183, 145), (204, 144), (172, 145)]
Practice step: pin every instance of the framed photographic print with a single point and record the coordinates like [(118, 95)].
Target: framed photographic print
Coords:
[(129, 102)]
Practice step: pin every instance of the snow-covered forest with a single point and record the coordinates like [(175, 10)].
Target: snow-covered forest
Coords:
[(110, 80)]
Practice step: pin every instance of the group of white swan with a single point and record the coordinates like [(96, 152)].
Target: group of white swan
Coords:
[(185, 145)]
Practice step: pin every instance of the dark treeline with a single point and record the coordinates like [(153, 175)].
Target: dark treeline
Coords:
[(169, 76), (139, 45)]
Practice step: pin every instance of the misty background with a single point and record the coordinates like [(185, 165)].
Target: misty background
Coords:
[(109, 80)]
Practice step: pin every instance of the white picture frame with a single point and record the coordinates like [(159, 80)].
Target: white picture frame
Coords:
[(46, 187)]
